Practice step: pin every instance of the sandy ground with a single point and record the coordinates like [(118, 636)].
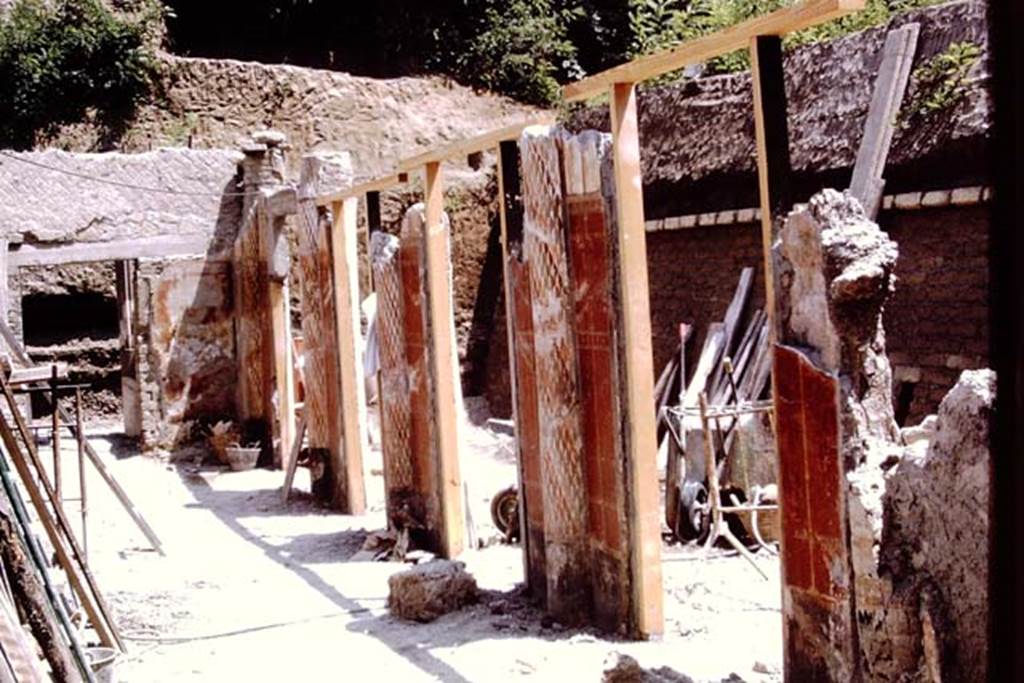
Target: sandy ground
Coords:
[(253, 590)]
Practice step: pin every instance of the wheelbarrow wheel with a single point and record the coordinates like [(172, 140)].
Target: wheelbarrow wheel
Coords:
[(505, 513), (693, 521)]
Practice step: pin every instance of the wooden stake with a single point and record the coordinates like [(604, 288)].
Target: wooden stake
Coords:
[(78, 575), (55, 438), (19, 352), (773, 167), (639, 419), (443, 360), (81, 473), (345, 263)]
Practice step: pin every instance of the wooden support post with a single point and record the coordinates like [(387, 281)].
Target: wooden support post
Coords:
[(83, 499), (773, 166), (4, 274), (284, 369), (349, 488), (279, 380), (867, 182), (55, 438), (444, 364), (518, 327), (131, 400), (638, 365), (373, 224)]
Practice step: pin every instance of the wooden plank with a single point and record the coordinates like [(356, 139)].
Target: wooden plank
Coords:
[(345, 264), (730, 323), (284, 379), (773, 165), (706, 363), (39, 373), (358, 190), (443, 360), (785, 20), (19, 352), (890, 85), (510, 211), (83, 586), (477, 143), (163, 246), (292, 463), (638, 364)]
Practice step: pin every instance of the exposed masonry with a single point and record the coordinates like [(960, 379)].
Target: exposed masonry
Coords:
[(960, 196)]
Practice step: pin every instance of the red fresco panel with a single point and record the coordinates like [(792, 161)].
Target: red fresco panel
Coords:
[(528, 427), (416, 357), (591, 265), (807, 418)]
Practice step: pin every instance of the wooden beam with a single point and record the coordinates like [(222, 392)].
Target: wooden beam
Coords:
[(785, 20), (39, 373), (488, 140), (281, 337), (773, 166), (345, 264), (444, 362), (376, 185), (639, 419), (162, 246), (867, 183), (510, 218)]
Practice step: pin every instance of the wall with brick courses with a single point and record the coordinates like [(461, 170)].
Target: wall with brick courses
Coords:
[(936, 323)]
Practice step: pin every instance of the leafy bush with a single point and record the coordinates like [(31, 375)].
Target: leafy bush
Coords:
[(657, 24), (64, 59), (521, 48)]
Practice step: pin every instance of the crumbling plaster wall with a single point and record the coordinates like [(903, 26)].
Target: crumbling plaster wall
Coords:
[(936, 321), (180, 304), (917, 567)]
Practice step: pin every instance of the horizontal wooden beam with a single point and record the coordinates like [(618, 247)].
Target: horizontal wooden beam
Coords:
[(39, 373), (376, 185), (488, 140), (115, 250), (794, 17)]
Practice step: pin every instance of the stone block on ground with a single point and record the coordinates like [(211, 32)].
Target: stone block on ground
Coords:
[(620, 668), (431, 590)]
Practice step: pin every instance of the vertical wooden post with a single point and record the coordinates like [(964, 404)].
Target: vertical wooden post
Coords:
[(638, 364), (84, 506), (279, 379), (510, 217), (131, 401), (443, 360), (773, 167), (345, 265), (55, 437), (4, 274), (373, 224), (284, 370)]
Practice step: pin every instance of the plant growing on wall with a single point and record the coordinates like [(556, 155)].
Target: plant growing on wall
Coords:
[(62, 60)]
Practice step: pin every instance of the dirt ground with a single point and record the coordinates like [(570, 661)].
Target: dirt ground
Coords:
[(254, 590)]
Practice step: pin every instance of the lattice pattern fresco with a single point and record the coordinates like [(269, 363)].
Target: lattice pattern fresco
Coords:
[(394, 371), (561, 443), (317, 334)]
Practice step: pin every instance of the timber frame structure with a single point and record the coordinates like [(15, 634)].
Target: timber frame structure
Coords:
[(762, 36)]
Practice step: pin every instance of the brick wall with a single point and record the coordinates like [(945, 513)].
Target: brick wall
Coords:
[(936, 324)]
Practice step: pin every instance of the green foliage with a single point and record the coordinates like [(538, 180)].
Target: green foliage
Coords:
[(658, 24), (938, 83), (61, 60), (519, 48)]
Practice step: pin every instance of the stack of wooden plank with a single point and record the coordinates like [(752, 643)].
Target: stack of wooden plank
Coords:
[(733, 368)]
